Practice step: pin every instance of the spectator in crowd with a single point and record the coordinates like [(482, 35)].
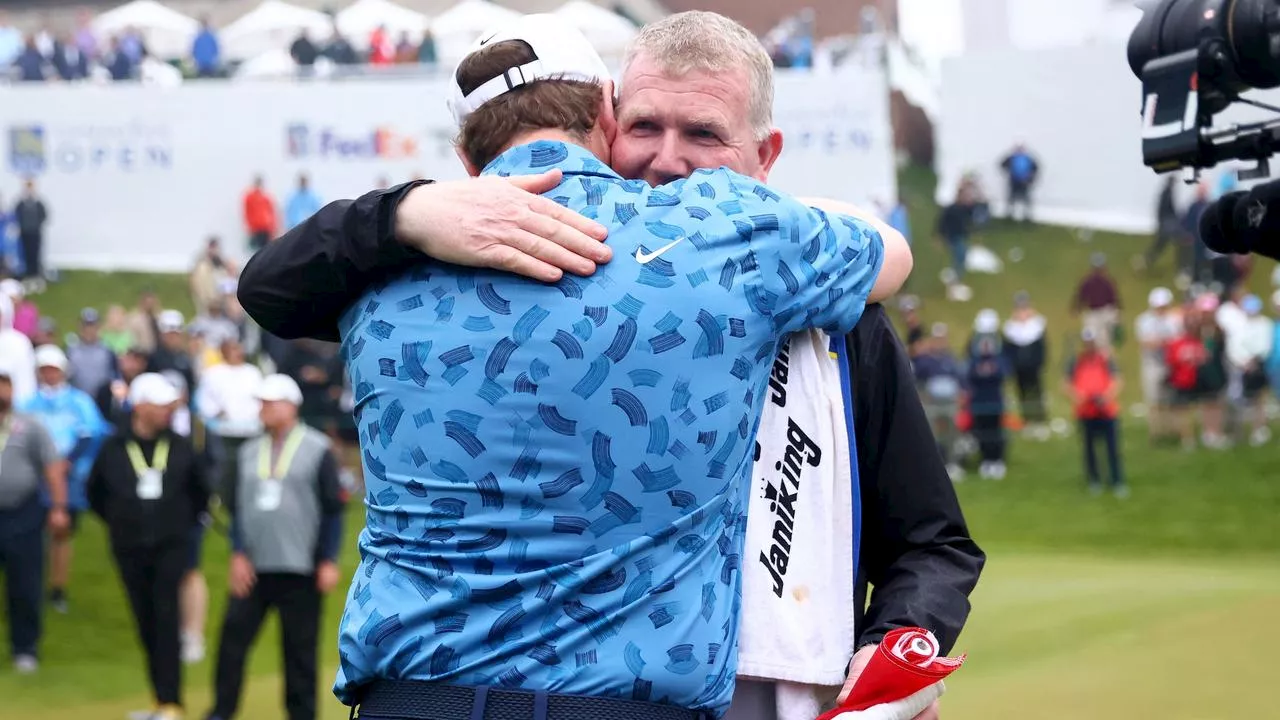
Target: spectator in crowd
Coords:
[(249, 333), (286, 530), (1248, 348), (85, 39), (1154, 329), (318, 369), (214, 327), (115, 330), (77, 429), (92, 363), (69, 61), (142, 321), (940, 378), (173, 351), (988, 371), (28, 462), (208, 274), (955, 224), (1097, 302), (1213, 378), (1093, 385), (1026, 349), (339, 50), (259, 215), (228, 405), (302, 204), (916, 336), (406, 50), (427, 49), (1273, 358), (381, 49), (1194, 260), (32, 216), (113, 399), (148, 485), (206, 54), (120, 62), (304, 52), (10, 252), (46, 332), (1169, 228), (132, 45), (11, 41), (32, 65), (26, 316), (896, 215), (17, 356), (1021, 169)]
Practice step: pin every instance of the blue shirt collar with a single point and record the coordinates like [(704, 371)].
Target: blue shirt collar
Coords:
[(542, 155)]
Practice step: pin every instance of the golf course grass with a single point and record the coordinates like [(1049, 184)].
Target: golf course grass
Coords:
[(1157, 606)]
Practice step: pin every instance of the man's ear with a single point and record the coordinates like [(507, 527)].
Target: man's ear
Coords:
[(608, 117), (472, 170), (770, 148)]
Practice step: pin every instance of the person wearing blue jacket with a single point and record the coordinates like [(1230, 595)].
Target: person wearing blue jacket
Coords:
[(1273, 360), (988, 370), (77, 427)]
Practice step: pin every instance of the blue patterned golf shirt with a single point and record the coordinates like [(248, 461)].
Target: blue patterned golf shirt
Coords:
[(558, 474)]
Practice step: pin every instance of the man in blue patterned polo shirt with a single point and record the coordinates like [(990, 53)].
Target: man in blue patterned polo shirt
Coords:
[(557, 475)]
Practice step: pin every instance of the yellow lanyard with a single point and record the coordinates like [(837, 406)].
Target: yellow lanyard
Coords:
[(160, 460), (291, 445)]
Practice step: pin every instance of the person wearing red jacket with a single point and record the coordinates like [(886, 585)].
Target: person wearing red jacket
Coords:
[(1093, 384), (260, 217)]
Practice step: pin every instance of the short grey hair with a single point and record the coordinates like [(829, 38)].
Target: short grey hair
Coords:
[(710, 42)]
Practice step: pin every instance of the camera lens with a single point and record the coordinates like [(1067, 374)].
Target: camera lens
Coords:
[(1248, 31)]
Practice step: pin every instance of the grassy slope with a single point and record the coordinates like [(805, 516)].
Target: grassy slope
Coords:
[(1075, 585)]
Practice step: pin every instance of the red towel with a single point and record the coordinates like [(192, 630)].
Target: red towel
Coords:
[(906, 662)]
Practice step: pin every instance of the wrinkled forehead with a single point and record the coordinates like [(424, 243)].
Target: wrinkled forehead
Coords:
[(696, 97)]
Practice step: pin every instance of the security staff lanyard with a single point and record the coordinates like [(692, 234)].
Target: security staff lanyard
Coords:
[(271, 480), (150, 486)]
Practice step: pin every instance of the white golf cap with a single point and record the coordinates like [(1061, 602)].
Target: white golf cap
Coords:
[(1160, 297), (51, 356), (562, 52), (170, 321), (987, 321), (152, 389), (279, 387), (12, 288)]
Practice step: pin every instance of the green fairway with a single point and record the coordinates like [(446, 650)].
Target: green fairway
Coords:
[(1091, 608)]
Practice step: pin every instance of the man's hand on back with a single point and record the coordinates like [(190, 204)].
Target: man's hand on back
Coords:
[(858, 664), (503, 224)]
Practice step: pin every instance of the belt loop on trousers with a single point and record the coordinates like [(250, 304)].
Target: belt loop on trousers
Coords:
[(539, 705), (353, 715), (478, 702)]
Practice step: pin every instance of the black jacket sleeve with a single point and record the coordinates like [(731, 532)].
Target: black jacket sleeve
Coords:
[(915, 548), (298, 285)]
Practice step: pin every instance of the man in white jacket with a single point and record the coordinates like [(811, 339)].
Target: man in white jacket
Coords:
[(1248, 347), (19, 356)]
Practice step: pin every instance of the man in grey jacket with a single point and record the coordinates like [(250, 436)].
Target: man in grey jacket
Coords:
[(286, 527)]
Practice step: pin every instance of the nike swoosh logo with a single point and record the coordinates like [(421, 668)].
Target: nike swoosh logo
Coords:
[(645, 258), (486, 40)]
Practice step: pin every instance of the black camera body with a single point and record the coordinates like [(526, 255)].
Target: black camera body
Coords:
[(1195, 58)]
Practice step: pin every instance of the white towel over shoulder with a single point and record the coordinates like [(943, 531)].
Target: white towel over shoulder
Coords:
[(797, 612)]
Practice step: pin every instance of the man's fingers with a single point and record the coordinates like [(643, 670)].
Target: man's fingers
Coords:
[(930, 713), (538, 184), (557, 244), (575, 220), (514, 260)]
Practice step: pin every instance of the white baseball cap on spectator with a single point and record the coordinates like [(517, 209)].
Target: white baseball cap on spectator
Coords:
[(1160, 298), (12, 288), (170, 321), (51, 356), (987, 321), (562, 52), (152, 389), (278, 387)]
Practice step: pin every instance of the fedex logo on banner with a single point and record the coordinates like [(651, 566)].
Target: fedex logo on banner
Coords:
[(381, 143)]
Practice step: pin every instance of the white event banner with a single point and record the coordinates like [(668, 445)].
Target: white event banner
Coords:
[(138, 177)]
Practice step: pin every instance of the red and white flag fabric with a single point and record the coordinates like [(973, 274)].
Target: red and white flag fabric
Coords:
[(903, 678)]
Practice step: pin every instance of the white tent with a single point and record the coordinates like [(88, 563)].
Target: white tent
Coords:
[(167, 33), (608, 31), (461, 25), (359, 21), (273, 25)]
